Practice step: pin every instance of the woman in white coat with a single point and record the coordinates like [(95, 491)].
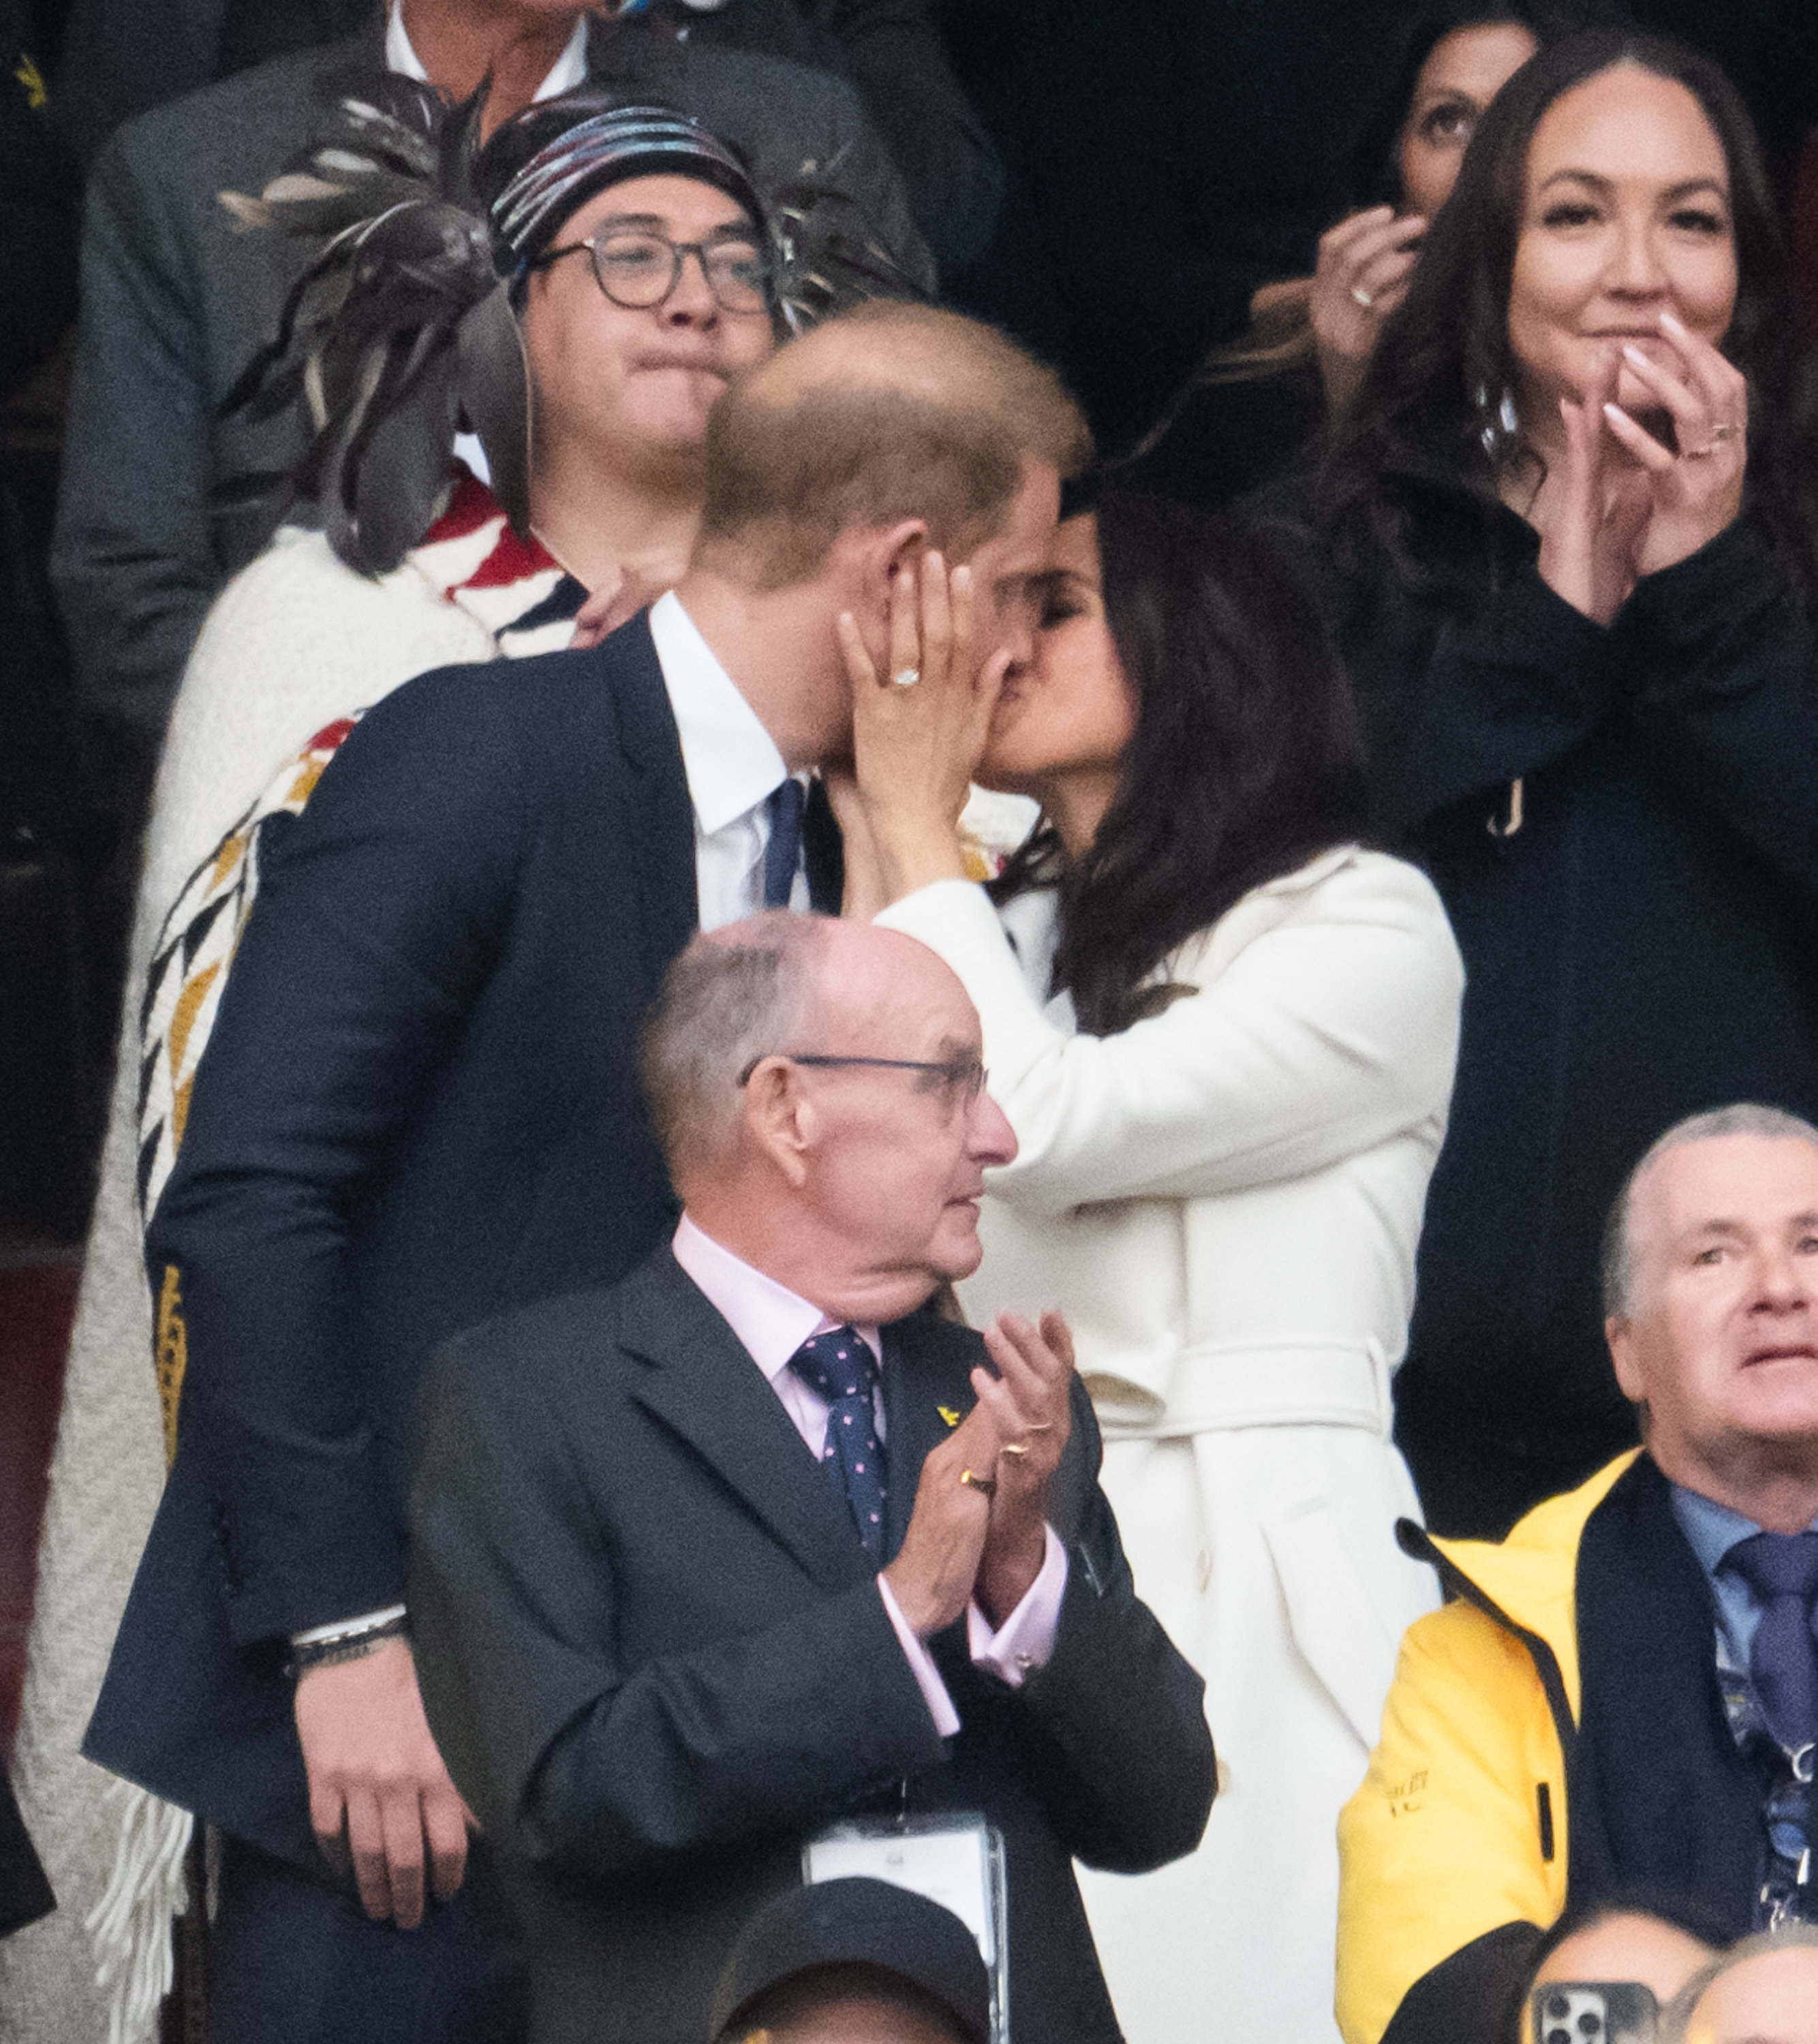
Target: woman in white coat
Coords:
[(1223, 1031)]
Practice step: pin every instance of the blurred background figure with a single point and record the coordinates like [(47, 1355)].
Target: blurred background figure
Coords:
[(1763, 1991), (1224, 1036), (1256, 400), (1586, 664), (853, 1962), (1658, 1943)]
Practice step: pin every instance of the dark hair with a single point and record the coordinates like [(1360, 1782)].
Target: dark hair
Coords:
[(1376, 178), (1690, 1913), (1430, 397), (1246, 761)]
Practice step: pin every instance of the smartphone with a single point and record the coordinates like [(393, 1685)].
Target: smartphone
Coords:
[(1594, 2012)]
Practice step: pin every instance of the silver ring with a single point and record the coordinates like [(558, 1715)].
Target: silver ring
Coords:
[(1725, 433), (906, 677), (1361, 296)]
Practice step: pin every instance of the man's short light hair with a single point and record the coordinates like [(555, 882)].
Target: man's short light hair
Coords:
[(889, 412), (732, 997), (1745, 1118)]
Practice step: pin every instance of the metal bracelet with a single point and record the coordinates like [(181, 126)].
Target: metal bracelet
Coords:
[(344, 1646)]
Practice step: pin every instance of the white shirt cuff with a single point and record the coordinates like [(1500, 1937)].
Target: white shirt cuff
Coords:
[(921, 1665), (348, 1628), (1024, 1641)]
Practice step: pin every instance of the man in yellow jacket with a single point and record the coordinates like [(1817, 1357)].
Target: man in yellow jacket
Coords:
[(1622, 1697)]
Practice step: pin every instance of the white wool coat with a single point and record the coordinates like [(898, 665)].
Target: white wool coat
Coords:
[(1224, 1199)]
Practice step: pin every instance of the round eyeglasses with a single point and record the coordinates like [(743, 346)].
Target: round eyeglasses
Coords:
[(638, 268)]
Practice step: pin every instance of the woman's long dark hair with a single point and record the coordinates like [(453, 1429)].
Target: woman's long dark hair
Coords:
[(1246, 761), (1430, 399)]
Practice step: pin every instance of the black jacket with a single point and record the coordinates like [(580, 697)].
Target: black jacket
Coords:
[(656, 1658), (419, 1107), (1640, 941)]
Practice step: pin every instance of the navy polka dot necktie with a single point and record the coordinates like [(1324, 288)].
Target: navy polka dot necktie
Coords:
[(1782, 1570), (839, 1366)]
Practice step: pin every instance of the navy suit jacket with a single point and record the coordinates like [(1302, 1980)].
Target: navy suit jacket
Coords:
[(654, 1654), (419, 1107)]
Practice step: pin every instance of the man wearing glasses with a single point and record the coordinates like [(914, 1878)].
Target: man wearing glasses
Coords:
[(755, 1547), (419, 1109)]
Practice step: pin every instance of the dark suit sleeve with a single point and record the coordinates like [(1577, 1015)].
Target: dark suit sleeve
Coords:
[(379, 913), (601, 1771), (133, 559), (1118, 1735)]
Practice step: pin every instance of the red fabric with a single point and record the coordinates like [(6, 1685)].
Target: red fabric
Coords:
[(38, 1306)]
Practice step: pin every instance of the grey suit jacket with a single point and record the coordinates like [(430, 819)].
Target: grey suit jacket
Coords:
[(654, 1654), (175, 300)]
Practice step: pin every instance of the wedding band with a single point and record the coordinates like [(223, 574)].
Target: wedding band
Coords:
[(1016, 1447), (1361, 296), (972, 1481), (906, 677), (1700, 454), (1725, 433)]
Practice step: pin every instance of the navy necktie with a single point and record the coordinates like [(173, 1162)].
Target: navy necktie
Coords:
[(1782, 1570), (839, 1366), (783, 853)]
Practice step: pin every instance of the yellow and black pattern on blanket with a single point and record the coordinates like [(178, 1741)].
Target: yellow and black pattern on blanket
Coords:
[(190, 964)]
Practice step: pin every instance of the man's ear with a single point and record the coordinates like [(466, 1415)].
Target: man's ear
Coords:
[(881, 554), (782, 1123)]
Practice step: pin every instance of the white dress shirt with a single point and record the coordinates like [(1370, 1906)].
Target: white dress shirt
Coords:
[(568, 70), (772, 1323), (733, 769)]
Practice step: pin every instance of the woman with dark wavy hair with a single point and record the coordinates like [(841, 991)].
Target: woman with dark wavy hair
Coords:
[(1572, 523), (1224, 1032)]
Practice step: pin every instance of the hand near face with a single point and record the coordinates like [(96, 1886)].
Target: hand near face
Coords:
[(1030, 1398), (1366, 265), (1697, 484), (1626, 504), (919, 728)]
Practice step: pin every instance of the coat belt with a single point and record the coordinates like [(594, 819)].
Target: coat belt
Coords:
[(1219, 1387)]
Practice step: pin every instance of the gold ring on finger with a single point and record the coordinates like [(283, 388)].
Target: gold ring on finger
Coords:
[(906, 677), (1016, 1447), (971, 1480)]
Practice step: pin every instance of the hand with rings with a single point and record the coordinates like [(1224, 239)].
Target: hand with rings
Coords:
[(1365, 266), (1695, 483), (1031, 1399)]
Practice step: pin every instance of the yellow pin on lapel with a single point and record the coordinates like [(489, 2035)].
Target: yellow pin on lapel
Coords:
[(948, 1414)]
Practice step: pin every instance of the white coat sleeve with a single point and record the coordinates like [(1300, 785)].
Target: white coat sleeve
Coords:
[(1327, 1034)]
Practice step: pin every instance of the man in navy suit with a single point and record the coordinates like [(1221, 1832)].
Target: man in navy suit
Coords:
[(418, 1109), (749, 1545)]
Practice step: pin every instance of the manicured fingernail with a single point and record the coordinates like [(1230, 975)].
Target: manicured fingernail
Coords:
[(963, 577), (1670, 323), (934, 559), (1615, 412), (1635, 355)]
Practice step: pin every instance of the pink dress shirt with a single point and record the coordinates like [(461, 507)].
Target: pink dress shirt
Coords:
[(772, 1324)]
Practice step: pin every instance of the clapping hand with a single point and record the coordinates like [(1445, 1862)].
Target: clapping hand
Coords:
[(1628, 504), (978, 1528)]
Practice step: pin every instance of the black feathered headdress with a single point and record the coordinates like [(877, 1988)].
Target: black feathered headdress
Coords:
[(397, 326), (400, 325)]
